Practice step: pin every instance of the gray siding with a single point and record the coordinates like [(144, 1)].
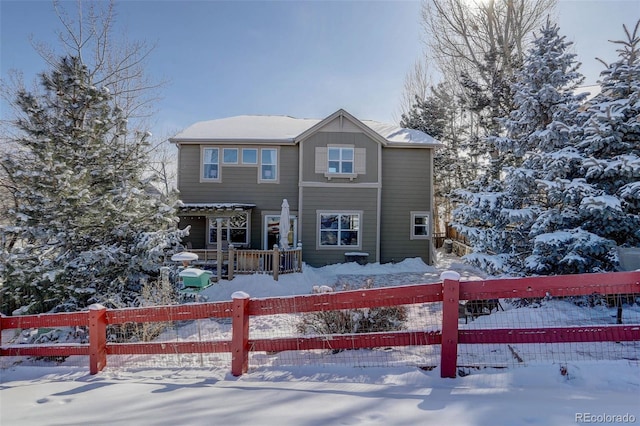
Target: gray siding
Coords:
[(240, 185), (322, 139), (405, 188), (338, 199)]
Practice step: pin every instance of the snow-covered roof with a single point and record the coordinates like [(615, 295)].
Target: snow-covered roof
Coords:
[(248, 127), (398, 134), (285, 129)]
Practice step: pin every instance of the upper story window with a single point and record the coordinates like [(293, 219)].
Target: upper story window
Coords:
[(340, 160), (420, 225), (249, 156), (210, 164), (230, 155), (268, 165)]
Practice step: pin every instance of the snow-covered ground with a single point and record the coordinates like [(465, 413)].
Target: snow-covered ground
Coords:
[(560, 389)]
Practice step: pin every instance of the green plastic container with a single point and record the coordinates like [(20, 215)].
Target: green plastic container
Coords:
[(195, 278)]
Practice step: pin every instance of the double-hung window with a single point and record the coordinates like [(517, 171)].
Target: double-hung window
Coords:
[(210, 164), (268, 165), (420, 225), (340, 160), (339, 229)]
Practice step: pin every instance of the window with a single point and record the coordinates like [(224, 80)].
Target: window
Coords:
[(235, 229), (269, 164), (230, 155), (249, 156), (340, 160), (210, 164), (420, 225), (339, 229), (271, 231)]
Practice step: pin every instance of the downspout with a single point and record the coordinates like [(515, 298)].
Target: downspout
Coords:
[(300, 194), (432, 254), (379, 203)]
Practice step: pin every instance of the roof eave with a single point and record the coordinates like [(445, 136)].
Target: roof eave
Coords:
[(248, 141), (415, 145)]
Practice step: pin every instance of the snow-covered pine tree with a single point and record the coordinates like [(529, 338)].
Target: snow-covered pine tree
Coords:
[(497, 214), (594, 186), (85, 224)]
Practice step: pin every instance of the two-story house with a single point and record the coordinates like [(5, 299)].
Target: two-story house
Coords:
[(352, 186)]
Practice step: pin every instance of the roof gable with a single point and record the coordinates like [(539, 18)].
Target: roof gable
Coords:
[(341, 119)]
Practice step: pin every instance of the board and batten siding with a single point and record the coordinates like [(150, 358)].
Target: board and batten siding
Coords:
[(239, 184), (338, 199), (406, 187)]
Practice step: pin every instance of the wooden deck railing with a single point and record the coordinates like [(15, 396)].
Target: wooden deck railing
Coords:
[(242, 308), (240, 261)]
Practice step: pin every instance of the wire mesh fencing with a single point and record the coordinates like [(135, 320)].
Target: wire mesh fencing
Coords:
[(353, 324), (577, 316)]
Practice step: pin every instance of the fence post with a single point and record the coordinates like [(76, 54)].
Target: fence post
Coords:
[(450, 301), (97, 338), (276, 262), (231, 265), (240, 333)]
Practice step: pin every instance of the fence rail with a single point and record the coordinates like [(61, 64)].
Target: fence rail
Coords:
[(240, 310)]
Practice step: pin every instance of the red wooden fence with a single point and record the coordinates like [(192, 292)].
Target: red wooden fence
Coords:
[(242, 308)]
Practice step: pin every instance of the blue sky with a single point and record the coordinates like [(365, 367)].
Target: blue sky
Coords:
[(298, 58)]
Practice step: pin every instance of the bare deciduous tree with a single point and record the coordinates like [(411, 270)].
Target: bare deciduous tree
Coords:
[(114, 61), (462, 33), (417, 83)]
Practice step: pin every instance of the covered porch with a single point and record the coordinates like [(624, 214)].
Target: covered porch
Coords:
[(216, 225), (221, 239)]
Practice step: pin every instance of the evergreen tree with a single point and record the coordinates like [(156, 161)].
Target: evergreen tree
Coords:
[(440, 116), (87, 227), (497, 213), (594, 186)]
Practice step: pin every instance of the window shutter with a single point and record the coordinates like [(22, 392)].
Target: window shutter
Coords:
[(321, 159), (360, 161)]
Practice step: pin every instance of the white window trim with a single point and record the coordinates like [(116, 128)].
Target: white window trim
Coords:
[(230, 149), (412, 234), (213, 221), (255, 163), (277, 166), (322, 162), (340, 162), (319, 214), (202, 157), (265, 231)]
